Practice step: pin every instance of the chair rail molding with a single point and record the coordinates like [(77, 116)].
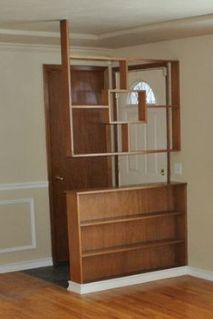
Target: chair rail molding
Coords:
[(24, 185)]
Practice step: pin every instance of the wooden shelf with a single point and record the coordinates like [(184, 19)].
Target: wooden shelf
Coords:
[(155, 106), (138, 246), (90, 106), (123, 153), (123, 91), (96, 58), (123, 122), (149, 106), (128, 218)]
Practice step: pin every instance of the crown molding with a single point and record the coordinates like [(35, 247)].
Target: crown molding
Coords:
[(28, 46), (185, 22), (173, 29), (53, 48), (107, 35), (43, 34)]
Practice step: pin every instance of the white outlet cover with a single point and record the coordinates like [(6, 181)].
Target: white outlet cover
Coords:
[(178, 169)]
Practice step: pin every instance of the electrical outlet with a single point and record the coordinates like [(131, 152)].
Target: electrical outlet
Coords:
[(178, 169)]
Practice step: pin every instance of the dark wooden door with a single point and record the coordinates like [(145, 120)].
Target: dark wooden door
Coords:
[(89, 136)]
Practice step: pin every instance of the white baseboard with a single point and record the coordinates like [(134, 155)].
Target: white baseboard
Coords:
[(112, 283), (30, 264), (127, 280), (201, 273), (139, 279)]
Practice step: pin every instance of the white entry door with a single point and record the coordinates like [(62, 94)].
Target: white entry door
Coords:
[(139, 169)]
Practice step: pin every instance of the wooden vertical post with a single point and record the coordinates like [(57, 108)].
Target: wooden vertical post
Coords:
[(142, 106), (168, 129), (175, 100), (123, 68), (74, 240), (125, 137), (65, 61)]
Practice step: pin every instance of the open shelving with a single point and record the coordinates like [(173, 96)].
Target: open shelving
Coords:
[(123, 65), (126, 218), (137, 246), (118, 222)]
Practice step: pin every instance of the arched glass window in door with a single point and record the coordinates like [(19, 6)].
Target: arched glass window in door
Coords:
[(139, 86)]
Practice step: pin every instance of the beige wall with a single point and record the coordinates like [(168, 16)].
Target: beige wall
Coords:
[(196, 70), (24, 208), (24, 213), (23, 154)]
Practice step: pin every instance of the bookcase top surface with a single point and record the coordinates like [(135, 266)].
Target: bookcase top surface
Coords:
[(122, 188)]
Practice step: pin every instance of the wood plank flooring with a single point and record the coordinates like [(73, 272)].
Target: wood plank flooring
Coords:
[(26, 297)]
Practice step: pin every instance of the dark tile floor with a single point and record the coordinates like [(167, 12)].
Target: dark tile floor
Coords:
[(58, 275)]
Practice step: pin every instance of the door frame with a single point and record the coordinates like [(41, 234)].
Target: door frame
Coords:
[(46, 69)]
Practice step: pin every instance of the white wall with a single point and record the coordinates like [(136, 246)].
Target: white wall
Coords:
[(196, 72)]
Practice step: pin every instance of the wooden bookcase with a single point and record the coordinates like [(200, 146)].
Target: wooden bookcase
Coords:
[(122, 231)]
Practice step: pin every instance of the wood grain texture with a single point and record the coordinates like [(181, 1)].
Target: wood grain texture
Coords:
[(142, 106), (66, 81), (123, 69), (175, 100), (74, 238), (115, 239), (25, 297), (125, 137), (168, 124)]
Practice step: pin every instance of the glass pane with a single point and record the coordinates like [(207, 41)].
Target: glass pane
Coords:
[(142, 86)]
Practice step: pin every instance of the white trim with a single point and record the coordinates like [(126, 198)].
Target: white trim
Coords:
[(139, 279), (127, 280), (32, 245), (172, 24), (53, 48), (24, 265), (189, 22), (45, 34), (24, 185), (201, 273)]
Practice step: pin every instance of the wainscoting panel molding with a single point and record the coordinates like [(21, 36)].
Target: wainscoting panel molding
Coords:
[(32, 244)]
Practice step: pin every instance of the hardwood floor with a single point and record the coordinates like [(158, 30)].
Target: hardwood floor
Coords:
[(26, 297)]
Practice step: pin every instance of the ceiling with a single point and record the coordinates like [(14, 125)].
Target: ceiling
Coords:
[(110, 24)]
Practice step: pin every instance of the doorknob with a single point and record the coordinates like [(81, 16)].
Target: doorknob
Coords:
[(59, 178)]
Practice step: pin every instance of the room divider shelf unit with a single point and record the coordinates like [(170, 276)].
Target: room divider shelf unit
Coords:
[(123, 66), (115, 232), (122, 231)]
